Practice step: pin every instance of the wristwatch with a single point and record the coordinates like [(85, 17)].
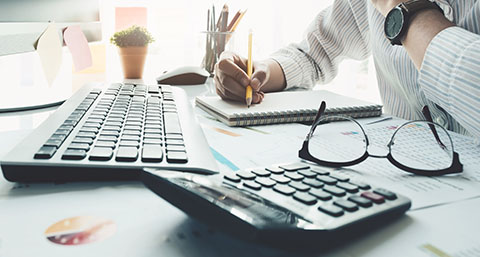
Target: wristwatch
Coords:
[(398, 19)]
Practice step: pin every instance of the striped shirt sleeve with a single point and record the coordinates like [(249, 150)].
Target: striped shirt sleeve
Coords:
[(450, 75), (335, 34)]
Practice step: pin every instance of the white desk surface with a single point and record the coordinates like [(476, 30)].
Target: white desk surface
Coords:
[(146, 225)]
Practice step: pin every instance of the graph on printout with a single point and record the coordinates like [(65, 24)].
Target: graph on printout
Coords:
[(80, 230)]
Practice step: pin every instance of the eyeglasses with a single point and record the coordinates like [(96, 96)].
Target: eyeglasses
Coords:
[(420, 147)]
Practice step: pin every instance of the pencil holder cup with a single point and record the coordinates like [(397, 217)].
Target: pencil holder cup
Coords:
[(215, 44)]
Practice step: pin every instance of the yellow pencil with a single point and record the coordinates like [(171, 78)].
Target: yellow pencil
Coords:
[(248, 93)]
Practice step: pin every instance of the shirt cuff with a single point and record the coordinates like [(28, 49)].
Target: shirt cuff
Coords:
[(294, 69), (442, 62)]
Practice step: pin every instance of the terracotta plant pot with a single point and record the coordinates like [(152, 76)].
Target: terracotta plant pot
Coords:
[(133, 61)]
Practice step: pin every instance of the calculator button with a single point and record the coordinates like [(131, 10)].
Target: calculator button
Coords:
[(362, 201), (280, 179), (232, 177), (294, 166), (284, 189), (293, 175), (266, 182), (327, 179), (331, 210), (252, 184), (339, 177), (305, 198), (299, 186), (320, 194), (261, 172), (376, 198), (275, 170), (346, 205), (320, 171), (334, 190), (385, 193), (246, 175), (347, 186), (313, 182), (361, 185), (307, 173)]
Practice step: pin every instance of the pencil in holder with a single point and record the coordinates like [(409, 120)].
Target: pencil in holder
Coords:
[(216, 43)]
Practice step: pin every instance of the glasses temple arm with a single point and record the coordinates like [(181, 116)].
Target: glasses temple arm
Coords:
[(428, 117), (320, 112)]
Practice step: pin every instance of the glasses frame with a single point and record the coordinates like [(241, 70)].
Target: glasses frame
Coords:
[(455, 167)]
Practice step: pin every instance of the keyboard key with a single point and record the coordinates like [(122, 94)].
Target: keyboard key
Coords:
[(252, 184), (74, 154), (246, 174), (266, 182), (126, 154), (299, 186), (376, 198), (175, 142), (334, 190), (45, 152), (130, 137), (53, 142), (261, 172), (331, 210), (175, 148), (152, 153), (86, 134), (280, 179), (347, 186), (129, 143), (294, 166), (101, 154), (313, 182), (82, 140), (320, 194), (327, 179), (177, 157), (305, 198), (173, 136), (109, 144), (110, 133), (346, 205), (232, 177), (284, 189), (78, 146), (385, 193), (154, 141), (362, 201)]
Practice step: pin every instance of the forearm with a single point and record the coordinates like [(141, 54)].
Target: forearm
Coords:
[(276, 81), (423, 28)]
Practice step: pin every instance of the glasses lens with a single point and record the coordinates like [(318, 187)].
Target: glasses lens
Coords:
[(416, 146), (339, 141)]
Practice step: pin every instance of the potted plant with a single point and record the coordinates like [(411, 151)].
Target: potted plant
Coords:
[(132, 45)]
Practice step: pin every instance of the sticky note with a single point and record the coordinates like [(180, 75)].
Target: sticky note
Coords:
[(99, 57), (127, 16), (49, 49), (78, 45)]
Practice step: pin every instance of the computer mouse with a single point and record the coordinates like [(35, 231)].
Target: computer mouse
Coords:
[(187, 75)]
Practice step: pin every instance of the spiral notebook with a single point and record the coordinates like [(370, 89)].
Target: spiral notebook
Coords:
[(286, 107)]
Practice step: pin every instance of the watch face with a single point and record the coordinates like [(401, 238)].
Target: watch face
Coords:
[(393, 23)]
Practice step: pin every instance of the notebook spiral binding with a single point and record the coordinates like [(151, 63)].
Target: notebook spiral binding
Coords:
[(302, 115)]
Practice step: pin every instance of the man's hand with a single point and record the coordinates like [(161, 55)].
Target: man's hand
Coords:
[(231, 78), (384, 6)]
